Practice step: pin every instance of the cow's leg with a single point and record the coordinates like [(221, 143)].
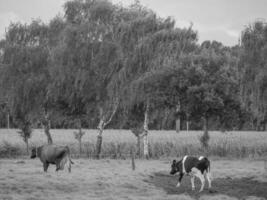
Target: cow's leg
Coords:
[(202, 179), (193, 182), (69, 164), (180, 179), (193, 173), (57, 165), (208, 176), (45, 165)]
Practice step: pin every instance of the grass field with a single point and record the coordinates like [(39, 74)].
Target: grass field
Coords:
[(108, 179), (117, 143), (114, 180)]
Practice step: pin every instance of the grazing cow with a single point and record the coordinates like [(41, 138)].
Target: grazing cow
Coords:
[(193, 166), (53, 154)]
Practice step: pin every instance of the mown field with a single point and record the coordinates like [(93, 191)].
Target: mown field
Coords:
[(109, 179), (118, 143)]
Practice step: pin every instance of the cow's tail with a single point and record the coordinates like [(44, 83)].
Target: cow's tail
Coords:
[(207, 162), (208, 173), (62, 162), (68, 153), (66, 161), (208, 166), (69, 159), (71, 162)]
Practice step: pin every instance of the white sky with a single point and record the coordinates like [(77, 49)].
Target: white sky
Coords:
[(221, 20)]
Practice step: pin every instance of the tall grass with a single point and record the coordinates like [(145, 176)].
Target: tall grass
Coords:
[(118, 143)]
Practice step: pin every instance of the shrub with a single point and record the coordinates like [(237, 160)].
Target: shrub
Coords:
[(7, 150)]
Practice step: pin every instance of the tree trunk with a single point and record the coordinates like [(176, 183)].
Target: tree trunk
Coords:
[(187, 126), (47, 131), (139, 145), (8, 121), (164, 123), (99, 139), (178, 124), (80, 147), (104, 121), (80, 137), (205, 137), (258, 126), (132, 156), (145, 138), (27, 145), (178, 120), (205, 123), (46, 124), (48, 135)]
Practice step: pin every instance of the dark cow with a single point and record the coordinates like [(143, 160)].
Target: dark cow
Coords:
[(193, 166), (53, 154)]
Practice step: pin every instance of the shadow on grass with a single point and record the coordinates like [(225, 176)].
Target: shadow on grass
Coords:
[(239, 188)]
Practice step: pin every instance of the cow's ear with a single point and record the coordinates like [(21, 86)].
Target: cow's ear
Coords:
[(174, 161)]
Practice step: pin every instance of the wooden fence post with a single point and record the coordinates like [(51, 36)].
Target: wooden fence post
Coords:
[(133, 161)]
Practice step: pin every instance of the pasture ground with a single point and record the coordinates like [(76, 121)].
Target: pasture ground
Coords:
[(114, 179)]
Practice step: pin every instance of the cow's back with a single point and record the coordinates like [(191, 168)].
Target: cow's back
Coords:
[(50, 153), (189, 163)]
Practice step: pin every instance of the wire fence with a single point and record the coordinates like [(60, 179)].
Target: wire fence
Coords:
[(8, 150), (161, 145)]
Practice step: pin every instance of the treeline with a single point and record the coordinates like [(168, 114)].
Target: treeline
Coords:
[(125, 67)]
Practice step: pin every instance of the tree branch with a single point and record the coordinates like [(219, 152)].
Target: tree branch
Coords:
[(113, 112)]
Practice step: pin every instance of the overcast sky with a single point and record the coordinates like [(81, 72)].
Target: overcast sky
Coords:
[(220, 20)]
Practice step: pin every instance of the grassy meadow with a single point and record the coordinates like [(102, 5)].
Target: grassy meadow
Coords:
[(118, 143), (109, 179)]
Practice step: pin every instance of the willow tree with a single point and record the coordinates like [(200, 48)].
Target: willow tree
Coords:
[(25, 75), (253, 72), (85, 63), (153, 44), (212, 86)]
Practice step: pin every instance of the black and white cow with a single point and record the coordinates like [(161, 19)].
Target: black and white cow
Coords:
[(193, 166)]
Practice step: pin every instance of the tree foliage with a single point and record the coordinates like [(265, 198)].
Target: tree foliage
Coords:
[(25, 67), (102, 63), (253, 67)]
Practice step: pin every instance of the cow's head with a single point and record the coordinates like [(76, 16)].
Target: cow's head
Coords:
[(174, 167), (34, 153)]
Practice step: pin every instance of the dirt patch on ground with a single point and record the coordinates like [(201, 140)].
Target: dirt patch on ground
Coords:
[(239, 187)]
